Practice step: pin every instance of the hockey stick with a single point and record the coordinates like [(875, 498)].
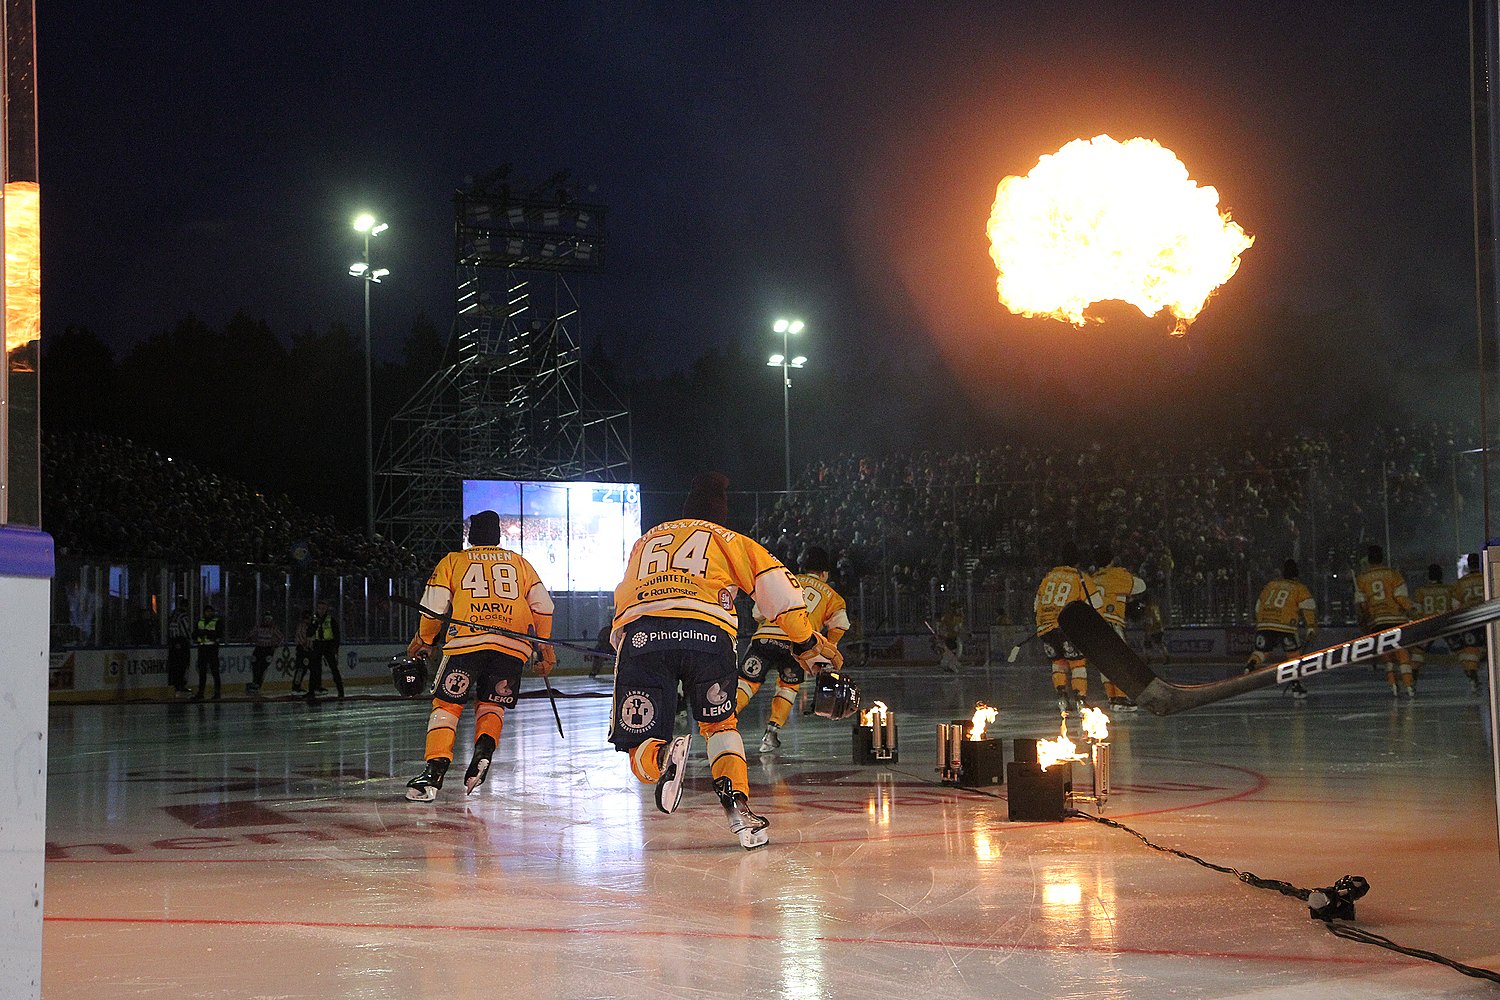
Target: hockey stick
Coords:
[(1104, 648), (550, 695), (427, 612), (1015, 650)]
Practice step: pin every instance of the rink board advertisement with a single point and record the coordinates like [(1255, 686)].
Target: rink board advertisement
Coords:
[(142, 671)]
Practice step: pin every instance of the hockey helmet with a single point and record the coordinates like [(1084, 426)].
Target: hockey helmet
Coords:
[(834, 696), (409, 673)]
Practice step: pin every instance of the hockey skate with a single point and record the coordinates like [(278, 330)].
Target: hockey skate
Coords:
[(750, 827), (1064, 701), (673, 774), (479, 767), (771, 742), (424, 787)]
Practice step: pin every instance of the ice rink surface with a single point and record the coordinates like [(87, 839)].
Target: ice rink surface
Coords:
[(265, 850)]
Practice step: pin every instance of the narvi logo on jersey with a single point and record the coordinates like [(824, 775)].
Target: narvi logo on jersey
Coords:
[(1350, 652)]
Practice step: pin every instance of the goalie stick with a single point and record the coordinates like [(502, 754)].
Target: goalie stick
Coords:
[(1102, 646)]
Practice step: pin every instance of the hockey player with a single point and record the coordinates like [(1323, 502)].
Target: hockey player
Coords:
[(486, 585), (1469, 590), (771, 649), (1063, 585), (1116, 587), (1380, 601), (1431, 598), (1285, 607), (675, 620), (950, 637)]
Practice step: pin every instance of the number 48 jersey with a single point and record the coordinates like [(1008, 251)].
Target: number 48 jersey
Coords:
[(487, 585), (695, 569)]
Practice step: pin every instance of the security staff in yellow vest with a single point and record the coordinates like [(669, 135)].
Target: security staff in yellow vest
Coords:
[(208, 633), (324, 631)]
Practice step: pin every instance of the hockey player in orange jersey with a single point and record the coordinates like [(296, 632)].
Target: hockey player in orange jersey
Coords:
[(1286, 618), (770, 649), (1469, 590), (675, 622), (1116, 587), (486, 585), (1063, 584), (1380, 601), (1431, 598)]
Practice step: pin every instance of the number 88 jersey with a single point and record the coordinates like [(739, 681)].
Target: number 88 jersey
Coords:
[(487, 585), (695, 569)]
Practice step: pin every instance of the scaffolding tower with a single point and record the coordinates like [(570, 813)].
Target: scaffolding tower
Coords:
[(514, 398)]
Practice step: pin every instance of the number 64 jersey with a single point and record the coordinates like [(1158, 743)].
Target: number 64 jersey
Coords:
[(693, 569), (487, 585)]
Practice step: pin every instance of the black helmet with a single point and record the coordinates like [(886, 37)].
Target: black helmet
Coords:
[(834, 696), (409, 673)]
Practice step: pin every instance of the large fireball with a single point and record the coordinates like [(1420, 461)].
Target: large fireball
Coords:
[(1100, 220)]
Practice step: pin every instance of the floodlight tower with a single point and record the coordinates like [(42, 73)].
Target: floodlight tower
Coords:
[(514, 399), (361, 269)]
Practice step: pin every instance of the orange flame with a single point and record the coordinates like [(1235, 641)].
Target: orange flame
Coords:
[(1095, 724), (983, 716), (1049, 752), (868, 718), (1101, 219), (23, 308)]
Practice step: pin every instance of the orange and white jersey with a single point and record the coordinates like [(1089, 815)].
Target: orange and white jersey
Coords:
[(1282, 603), (1060, 587), (1468, 590), (826, 611), (1432, 599), (695, 569), (1115, 586), (1380, 596), (487, 585)]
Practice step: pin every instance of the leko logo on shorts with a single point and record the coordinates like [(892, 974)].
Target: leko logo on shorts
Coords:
[(637, 712), (715, 695)]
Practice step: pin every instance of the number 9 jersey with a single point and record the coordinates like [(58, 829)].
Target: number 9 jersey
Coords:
[(487, 585), (695, 569)]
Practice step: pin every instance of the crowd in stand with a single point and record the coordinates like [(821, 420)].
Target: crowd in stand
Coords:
[(108, 497), (1199, 511)]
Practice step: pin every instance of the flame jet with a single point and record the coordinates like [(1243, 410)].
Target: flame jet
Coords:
[(1100, 220)]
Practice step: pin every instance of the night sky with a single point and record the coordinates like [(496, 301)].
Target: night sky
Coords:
[(204, 158)]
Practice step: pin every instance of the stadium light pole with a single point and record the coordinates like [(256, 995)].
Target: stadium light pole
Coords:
[(365, 223), (787, 327)]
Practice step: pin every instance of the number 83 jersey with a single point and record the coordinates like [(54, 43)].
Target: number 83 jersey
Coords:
[(487, 585), (695, 569)]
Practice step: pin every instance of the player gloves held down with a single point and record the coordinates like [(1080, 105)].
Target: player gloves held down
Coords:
[(546, 655), (817, 652)]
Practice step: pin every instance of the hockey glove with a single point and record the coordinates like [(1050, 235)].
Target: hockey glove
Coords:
[(546, 659)]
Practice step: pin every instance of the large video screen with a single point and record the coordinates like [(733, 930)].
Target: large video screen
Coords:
[(577, 535)]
